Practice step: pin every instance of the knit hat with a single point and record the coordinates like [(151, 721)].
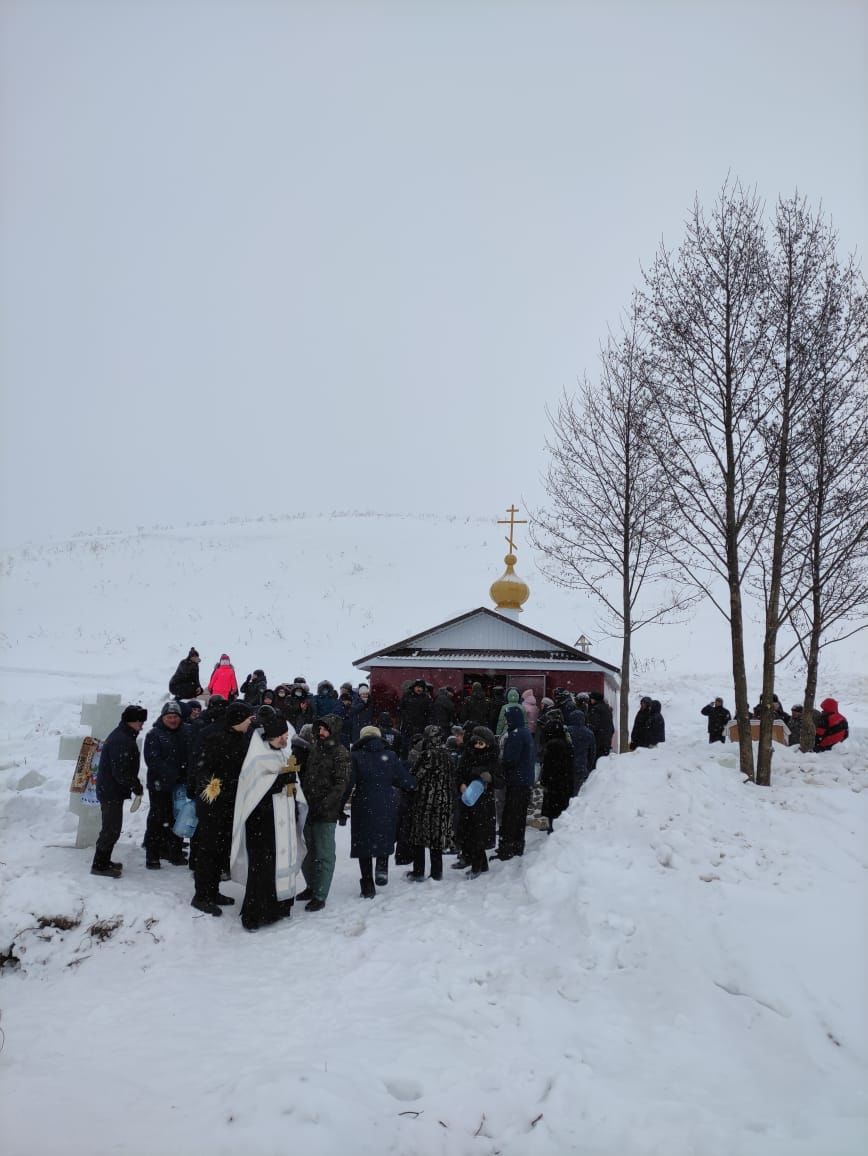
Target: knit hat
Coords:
[(237, 712), (134, 713), (224, 658), (273, 728), (171, 707), (193, 652), (369, 733)]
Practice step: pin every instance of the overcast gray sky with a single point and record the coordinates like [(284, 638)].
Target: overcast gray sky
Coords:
[(264, 257)]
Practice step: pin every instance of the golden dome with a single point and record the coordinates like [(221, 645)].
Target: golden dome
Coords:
[(509, 592)]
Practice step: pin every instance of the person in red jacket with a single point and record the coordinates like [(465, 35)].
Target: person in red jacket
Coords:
[(832, 726), (223, 680)]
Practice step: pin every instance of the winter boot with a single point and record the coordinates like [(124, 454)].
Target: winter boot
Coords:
[(381, 872), (152, 862), (224, 900), (414, 878), (116, 866), (205, 905), (305, 895), (108, 872), (315, 905), (368, 889)]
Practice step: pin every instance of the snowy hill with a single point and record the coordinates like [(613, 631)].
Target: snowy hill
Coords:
[(678, 970)]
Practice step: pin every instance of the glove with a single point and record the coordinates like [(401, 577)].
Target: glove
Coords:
[(342, 819), (486, 777), (211, 791), (138, 789)]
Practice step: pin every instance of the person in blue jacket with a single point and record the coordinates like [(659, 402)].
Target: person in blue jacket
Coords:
[(518, 764), (167, 755), (584, 747), (374, 772)]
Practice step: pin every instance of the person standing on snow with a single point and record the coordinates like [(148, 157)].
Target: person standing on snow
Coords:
[(601, 723), (639, 733), (117, 778), (223, 680), (185, 683), (324, 782), (832, 727), (375, 773), (167, 755), (477, 830), (415, 710), (266, 833), (518, 763), (557, 776), (432, 805), (656, 730), (216, 783), (253, 688), (718, 718)]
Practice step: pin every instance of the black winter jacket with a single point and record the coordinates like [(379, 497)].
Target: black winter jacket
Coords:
[(326, 775), (185, 683), (117, 775), (167, 756)]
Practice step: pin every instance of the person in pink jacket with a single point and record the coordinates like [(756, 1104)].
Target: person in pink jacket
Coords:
[(223, 680), (531, 710)]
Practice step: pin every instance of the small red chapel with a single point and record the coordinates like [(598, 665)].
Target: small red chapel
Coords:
[(491, 647)]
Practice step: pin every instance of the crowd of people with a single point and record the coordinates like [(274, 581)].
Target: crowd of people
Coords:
[(260, 778), (830, 725)]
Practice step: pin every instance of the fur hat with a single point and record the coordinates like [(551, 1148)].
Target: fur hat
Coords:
[(369, 733), (237, 712), (483, 735), (171, 707), (273, 728), (134, 713)]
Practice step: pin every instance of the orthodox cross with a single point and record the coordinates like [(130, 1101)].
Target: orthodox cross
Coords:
[(512, 522)]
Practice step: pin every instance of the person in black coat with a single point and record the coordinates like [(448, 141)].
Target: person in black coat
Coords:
[(374, 773), (361, 712), (253, 688), (216, 781), (495, 706), (656, 725), (477, 824), (518, 765), (167, 755), (601, 723), (476, 706), (443, 710), (584, 747), (185, 683), (393, 739), (117, 778), (415, 710), (718, 718), (639, 733), (557, 776)]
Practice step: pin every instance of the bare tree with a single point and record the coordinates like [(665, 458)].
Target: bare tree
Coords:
[(803, 245), (708, 315), (826, 583), (600, 532)]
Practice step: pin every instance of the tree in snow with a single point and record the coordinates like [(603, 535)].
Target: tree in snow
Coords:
[(601, 528)]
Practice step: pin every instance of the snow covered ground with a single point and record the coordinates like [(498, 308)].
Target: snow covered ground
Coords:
[(678, 971)]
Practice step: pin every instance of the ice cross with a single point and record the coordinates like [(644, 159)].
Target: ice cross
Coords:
[(102, 717), (512, 522)]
